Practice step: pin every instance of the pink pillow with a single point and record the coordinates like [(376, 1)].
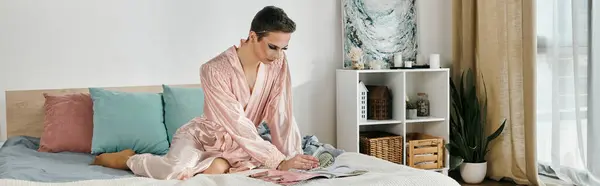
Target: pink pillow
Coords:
[(68, 123)]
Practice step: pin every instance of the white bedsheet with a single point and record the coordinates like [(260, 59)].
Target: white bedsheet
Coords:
[(380, 172)]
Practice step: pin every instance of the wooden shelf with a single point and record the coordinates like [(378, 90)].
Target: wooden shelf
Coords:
[(424, 120), (396, 70), (380, 122), (402, 84), (418, 120)]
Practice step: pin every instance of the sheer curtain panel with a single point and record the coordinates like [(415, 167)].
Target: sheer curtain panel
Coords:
[(565, 91)]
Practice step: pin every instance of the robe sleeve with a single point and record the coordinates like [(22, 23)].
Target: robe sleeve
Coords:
[(279, 117), (222, 107)]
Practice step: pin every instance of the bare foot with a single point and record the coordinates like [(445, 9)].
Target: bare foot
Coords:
[(115, 160)]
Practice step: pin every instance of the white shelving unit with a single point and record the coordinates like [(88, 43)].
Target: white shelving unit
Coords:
[(402, 83)]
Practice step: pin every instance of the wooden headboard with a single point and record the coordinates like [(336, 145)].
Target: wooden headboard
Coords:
[(25, 108)]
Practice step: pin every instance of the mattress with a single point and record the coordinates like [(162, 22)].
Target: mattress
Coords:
[(21, 164)]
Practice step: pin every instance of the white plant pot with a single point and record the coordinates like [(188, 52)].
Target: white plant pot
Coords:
[(473, 173), (411, 113)]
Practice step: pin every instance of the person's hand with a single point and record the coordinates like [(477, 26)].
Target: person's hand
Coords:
[(300, 161)]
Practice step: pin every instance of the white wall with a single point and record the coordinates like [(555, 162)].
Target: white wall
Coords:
[(434, 22), (73, 44)]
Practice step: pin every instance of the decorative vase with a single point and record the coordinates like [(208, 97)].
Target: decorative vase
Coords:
[(473, 173), (423, 105), (411, 113)]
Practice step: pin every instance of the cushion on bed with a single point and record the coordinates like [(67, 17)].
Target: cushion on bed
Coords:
[(68, 123), (181, 105), (128, 120)]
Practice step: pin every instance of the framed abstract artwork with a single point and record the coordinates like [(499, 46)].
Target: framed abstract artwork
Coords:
[(380, 30)]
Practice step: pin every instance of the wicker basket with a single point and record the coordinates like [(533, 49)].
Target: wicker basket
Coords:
[(379, 102), (382, 145), (425, 151)]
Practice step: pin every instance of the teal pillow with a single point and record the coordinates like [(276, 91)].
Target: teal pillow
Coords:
[(182, 104), (128, 120)]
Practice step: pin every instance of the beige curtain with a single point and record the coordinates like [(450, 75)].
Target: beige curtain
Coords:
[(496, 38)]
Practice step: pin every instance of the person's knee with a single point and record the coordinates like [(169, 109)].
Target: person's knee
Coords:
[(218, 166)]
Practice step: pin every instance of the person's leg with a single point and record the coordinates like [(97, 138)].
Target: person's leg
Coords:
[(182, 166), (184, 159), (116, 160), (218, 166)]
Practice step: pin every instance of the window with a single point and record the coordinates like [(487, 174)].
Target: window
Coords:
[(562, 89)]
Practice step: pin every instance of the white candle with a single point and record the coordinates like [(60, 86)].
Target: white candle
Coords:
[(398, 59), (434, 61), (408, 64)]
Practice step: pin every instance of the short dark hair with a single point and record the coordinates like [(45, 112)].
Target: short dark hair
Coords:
[(271, 19)]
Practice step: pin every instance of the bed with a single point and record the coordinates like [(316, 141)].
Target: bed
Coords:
[(22, 164)]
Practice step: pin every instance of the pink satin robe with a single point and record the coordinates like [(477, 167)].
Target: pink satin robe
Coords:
[(228, 127)]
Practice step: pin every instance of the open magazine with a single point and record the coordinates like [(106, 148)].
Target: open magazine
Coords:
[(293, 177), (327, 169), (334, 171)]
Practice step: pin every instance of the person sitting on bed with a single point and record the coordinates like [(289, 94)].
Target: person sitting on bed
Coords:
[(243, 86)]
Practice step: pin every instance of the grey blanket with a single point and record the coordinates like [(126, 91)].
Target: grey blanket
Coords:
[(326, 153), (19, 159)]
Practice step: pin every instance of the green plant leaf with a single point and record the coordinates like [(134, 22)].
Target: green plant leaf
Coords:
[(452, 149), (497, 133), (464, 147), (456, 147), (456, 95), (483, 141), (462, 87), (457, 119), (455, 162), (473, 126)]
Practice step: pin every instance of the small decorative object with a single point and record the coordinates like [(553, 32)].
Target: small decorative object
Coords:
[(398, 60), (356, 65), (422, 105), (363, 93), (434, 61), (408, 64), (411, 109), (376, 64), (356, 55), (379, 102)]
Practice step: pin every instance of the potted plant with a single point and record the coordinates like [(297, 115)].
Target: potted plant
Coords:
[(468, 143), (411, 109)]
